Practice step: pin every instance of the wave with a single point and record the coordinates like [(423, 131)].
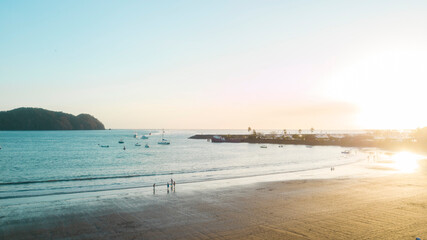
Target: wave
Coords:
[(79, 179), (133, 176), (150, 185), (117, 177)]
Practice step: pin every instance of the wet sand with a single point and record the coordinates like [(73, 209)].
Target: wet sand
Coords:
[(391, 207)]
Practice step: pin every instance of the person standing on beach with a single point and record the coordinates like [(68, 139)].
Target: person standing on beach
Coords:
[(154, 188)]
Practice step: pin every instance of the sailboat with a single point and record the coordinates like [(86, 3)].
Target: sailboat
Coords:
[(164, 141)]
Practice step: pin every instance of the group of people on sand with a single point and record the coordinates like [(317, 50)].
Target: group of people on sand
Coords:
[(171, 184)]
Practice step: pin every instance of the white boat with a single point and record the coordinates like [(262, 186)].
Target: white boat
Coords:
[(146, 146), (137, 145), (346, 152), (121, 141), (263, 146), (164, 141)]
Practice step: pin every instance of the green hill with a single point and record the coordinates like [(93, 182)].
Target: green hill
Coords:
[(42, 119)]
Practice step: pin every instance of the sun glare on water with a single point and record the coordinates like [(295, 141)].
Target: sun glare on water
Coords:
[(406, 162)]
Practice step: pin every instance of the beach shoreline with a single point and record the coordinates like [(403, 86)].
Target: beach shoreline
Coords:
[(386, 207)]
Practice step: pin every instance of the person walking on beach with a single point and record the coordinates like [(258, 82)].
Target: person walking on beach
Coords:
[(154, 188)]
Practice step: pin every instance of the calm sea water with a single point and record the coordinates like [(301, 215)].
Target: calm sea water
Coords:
[(39, 163)]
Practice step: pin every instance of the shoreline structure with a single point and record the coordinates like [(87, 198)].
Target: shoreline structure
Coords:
[(343, 140)]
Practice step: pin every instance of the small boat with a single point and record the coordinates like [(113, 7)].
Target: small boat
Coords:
[(121, 141), (135, 135), (105, 146), (144, 137), (137, 145), (164, 141), (146, 146), (217, 139), (263, 146), (346, 152)]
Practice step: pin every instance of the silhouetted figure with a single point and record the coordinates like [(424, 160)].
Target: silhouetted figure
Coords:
[(124, 148), (154, 188)]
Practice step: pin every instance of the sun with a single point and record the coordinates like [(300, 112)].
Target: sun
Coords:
[(386, 85)]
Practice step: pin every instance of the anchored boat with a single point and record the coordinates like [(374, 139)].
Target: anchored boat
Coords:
[(164, 141)]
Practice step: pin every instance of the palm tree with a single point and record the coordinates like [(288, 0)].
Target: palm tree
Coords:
[(311, 130), (284, 132), (249, 129), (299, 131)]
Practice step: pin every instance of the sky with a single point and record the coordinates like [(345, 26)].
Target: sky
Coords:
[(219, 64)]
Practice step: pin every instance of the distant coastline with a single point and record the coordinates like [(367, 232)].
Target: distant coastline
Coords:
[(370, 140), (28, 119)]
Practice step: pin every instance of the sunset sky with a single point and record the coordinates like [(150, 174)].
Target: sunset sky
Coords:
[(219, 64)]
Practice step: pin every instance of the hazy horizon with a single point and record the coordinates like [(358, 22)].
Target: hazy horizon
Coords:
[(220, 64)]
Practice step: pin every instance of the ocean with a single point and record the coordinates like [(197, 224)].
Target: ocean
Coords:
[(46, 163)]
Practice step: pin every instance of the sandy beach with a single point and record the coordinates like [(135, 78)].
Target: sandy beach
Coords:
[(391, 207)]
